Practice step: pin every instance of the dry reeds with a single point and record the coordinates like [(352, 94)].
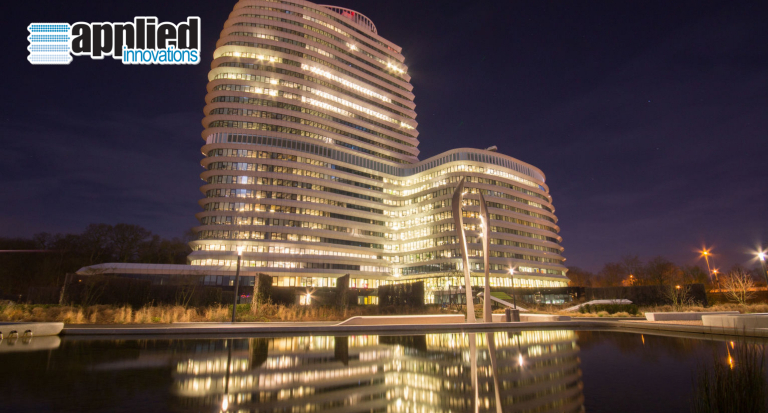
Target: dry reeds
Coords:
[(105, 314), (735, 386)]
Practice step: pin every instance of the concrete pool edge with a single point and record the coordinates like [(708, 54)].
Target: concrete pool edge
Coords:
[(260, 328), (695, 329), (193, 329)]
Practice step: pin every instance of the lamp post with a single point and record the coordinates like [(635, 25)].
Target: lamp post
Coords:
[(705, 254), (237, 282), (514, 296), (761, 256)]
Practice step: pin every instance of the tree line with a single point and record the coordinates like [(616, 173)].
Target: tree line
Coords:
[(658, 271), (43, 260)]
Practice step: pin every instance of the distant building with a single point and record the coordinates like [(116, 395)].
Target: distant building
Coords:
[(311, 167)]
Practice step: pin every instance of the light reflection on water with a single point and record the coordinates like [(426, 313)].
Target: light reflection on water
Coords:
[(526, 371), (429, 373)]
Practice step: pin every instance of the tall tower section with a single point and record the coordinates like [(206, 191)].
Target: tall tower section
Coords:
[(311, 166), (307, 109)]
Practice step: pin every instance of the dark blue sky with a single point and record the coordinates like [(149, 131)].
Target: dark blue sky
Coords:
[(649, 118)]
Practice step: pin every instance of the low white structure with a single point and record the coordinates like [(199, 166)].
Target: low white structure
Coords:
[(11, 330), (672, 316), (505, 303), (403, 319), (500, 318), (593, 302), (544, 317), (737, 321)]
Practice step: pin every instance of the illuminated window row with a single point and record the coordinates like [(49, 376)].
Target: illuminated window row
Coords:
[(265, 193), (475, 266), (318, 113), (289, 264), (261, 221), (311, 28), (271, 249), (473, 253), (306, 56), (325, 24), (351, 46), (248, 207), (228, 152), (293, 131), (319, 50), (268, 66), (277, 169), (311, 123)]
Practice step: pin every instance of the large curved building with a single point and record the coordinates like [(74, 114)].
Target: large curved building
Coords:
[(312, 169)]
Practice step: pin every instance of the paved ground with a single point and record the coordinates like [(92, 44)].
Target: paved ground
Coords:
[(201, 325), (681, 322)]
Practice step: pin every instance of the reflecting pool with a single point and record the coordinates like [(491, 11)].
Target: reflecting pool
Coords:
[(520, 371)]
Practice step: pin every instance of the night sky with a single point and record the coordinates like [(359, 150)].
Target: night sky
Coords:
[(649, 119)]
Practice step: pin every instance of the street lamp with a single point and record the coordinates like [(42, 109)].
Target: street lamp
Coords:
[(705, 254), (514, 296), (237, 282), (761, 256)]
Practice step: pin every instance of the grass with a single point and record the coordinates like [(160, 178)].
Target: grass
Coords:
[(105, 314), (748, 308), (734, 385), (597, 311)]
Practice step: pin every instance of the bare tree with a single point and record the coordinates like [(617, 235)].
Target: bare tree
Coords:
[(738, 285), (94, 285), (694, 274), (126, 239), (632, 266), (679, 295), (579, 277), (95, 241), (660, 271), (186, 286), (611, 275)]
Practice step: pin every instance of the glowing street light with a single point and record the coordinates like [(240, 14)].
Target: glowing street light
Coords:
[(705, 254), (761, 256)]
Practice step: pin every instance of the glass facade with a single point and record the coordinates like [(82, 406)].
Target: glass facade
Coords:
[(311, 165)]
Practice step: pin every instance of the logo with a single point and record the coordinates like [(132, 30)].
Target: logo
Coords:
[(142, 41)]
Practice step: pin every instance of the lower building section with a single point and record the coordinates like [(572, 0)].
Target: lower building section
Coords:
[(438, 289), (306, 222)]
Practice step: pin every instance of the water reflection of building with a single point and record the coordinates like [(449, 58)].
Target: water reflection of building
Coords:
[(535, 371)]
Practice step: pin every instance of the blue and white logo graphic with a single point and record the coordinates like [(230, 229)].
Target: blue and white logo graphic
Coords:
[(49, 44), (143, 41)]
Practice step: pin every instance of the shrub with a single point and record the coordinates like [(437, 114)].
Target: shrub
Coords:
[(630, 309)]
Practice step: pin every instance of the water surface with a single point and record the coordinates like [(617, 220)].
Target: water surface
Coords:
[(528, 371)]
